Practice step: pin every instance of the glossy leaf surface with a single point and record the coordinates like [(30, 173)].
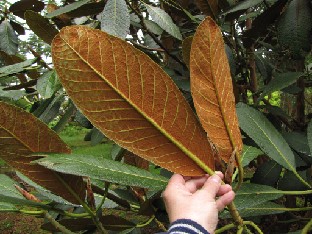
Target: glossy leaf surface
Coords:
[(22, 135), (103, 169), (130, 99), (250, 195), (212, 91), (249, 153), (267, 208), (267, 137)]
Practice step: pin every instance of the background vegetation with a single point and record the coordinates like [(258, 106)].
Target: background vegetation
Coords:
[(268, 45)]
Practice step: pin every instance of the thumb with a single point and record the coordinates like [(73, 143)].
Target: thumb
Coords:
[(212, 185)]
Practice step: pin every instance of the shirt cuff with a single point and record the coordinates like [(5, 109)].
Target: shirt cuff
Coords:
[(186, 226)]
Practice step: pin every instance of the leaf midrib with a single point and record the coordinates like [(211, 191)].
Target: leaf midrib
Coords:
[(217, 94), (165, 133), (102, 168), (280, 153)]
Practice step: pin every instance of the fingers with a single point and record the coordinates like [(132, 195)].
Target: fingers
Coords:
[(176, 179), (220, 174), (225, 199), (224, 189), (194, 184), (212, 186)]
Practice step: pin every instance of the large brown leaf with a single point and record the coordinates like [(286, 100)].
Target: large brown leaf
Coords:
[(21, 134), (130, 99), (212, 90)]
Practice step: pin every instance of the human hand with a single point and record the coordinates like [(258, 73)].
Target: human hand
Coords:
[(195, 198)]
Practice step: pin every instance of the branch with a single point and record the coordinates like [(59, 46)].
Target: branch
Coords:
[(307, 227), (95, 219), (43, 63), (147, 48), (57, 225), (138, 13)]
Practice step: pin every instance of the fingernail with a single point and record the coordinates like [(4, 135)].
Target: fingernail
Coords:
[(216, 179)]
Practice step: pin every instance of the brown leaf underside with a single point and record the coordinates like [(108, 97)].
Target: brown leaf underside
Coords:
[(130, 99), (212, 90), (21, 135)]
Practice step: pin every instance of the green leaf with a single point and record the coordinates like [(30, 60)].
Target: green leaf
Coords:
[(249, 154), (115, 18), (116, 151), (40, 26), (265, 135), (276, 111), (251, 195), (52, 110), (281, 81), (310, 136), (48, 84), (267, 208), (294, 29), (263, 65), (7, 187), (244, 5), (67, 8), (291, 183), (7, 207), (153, 27), (43, 191), (16, 68), (8, 38), (269, 140), (298, 141), (22, 202), (161, 18), (103, 169), (96, 136), (11, 94), (267, 173), (183, 84), (110, 222)]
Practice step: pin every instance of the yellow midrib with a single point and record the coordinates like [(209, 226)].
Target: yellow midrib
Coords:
[(197, 160)]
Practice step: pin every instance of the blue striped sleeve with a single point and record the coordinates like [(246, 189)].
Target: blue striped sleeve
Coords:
[(186, 226)]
